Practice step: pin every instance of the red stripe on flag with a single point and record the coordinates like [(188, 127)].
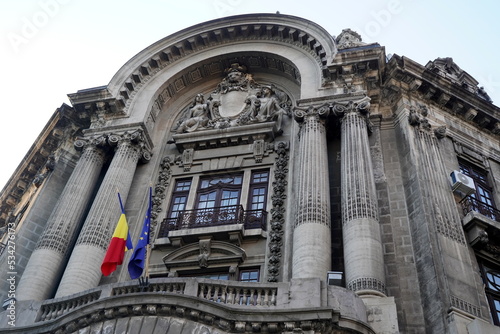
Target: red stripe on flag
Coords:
[(114, 256)]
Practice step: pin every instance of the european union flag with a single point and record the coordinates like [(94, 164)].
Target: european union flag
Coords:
[(139, 257)]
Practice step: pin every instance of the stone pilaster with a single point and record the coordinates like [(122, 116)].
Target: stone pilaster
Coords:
[(363, 253), (45, 266), (83, 270), (311, 235)]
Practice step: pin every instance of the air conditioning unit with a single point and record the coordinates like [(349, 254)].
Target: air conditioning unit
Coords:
[(462, 183)]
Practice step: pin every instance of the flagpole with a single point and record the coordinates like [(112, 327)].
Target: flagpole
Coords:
[(120, 200), (148, 247)]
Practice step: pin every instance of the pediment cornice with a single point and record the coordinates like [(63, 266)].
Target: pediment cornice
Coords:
[(404, 75), (265, 29)]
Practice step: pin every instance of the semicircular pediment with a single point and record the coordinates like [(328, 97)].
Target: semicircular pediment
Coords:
[(204, 253), (216, 247), (272, 29)]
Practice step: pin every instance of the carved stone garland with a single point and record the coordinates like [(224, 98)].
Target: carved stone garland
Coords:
[(163, 181), (278, 211)]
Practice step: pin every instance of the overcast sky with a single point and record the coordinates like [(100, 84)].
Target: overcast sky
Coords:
[(51, 48)]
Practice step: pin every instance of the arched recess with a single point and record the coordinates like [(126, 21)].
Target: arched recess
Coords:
[(203, 77), (293, 66)]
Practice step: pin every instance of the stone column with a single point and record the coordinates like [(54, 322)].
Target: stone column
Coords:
[(363, 254), (311, 235), (84, 267), (46, 263)]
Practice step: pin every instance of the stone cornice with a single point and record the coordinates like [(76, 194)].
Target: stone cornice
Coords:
[(122, 130), (40, 159), (264, 28), (405, 75)]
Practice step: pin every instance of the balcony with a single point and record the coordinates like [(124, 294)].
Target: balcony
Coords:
[(225, 219), (470, 203), (481, 223)]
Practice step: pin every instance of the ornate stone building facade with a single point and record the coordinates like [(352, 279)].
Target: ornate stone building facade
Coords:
[(302, 183)]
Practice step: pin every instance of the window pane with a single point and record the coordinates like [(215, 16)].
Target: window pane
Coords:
[(230, 198), (183, 185), (249, 275), (260, 177), (221, 180), (258, 198), (179, 203), (207, 200)]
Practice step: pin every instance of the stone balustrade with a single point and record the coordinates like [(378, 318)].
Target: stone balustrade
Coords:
[(52, 309), (225, 292)]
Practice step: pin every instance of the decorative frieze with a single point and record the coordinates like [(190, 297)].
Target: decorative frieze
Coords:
[(366, 283)]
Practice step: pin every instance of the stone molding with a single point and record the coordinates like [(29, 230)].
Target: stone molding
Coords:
[(437, 83), (265, 28), (229, 307), (366, 283)]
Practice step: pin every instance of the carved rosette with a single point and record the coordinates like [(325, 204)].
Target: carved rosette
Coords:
[(278, 211)]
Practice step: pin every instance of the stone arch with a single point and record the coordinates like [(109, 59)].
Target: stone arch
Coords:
[(305, 44)]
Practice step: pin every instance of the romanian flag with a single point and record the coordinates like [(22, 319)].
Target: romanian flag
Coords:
[(120, 243), (138, 261)]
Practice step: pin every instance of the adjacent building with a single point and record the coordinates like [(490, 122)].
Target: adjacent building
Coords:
[(301, 183)]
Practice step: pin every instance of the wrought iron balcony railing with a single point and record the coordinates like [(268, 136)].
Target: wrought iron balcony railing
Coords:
[(223, 215), (470, 203)]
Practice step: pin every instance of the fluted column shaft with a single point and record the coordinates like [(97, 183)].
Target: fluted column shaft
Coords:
[(83, 270), (46, 263), (363, 253), (311, 235)]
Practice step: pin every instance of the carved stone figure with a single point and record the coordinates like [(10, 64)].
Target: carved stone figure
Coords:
[(197, 115), (237, 100)]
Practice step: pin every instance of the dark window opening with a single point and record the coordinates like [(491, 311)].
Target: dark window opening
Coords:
[(491, 278)]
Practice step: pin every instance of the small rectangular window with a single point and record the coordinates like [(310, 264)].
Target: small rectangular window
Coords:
[(249, 275)]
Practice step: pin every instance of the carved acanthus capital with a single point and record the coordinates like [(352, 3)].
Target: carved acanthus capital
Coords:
[(316, 112), (94, 141), (361, 106), (134, 139)]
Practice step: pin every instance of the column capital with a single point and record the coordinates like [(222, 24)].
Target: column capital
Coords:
[(83, 143), (361, 106), (301, 114), (134, 137)]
